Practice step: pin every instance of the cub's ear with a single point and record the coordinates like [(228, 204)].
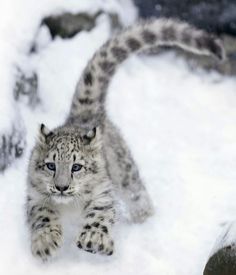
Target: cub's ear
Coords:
[(44, 133), (89, 136)]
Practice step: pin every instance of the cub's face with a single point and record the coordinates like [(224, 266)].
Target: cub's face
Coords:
[(65, 164)]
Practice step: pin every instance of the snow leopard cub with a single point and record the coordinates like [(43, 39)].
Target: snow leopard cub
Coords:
[(86, 160)]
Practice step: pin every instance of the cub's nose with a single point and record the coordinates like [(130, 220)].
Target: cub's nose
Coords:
[(62, 188)]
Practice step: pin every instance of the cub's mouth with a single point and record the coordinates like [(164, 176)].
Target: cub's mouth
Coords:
[(62, 198)]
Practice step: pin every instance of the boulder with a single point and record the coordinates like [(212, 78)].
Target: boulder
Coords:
[(67, 25), (222, 260)]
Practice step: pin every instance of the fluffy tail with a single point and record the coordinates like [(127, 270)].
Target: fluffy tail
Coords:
[(87, 107)]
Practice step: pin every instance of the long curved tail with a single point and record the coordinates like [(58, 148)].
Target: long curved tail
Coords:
[(87, 107)]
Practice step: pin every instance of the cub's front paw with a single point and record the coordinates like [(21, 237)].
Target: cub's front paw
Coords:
[(45, 242), (96, 241)]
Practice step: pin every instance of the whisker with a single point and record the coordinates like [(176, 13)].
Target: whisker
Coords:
[(45, 201), (78, 199)]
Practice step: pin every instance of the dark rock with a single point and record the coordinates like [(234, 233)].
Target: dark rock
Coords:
[(67, 25), (223, 262), (217, 16), (26, 88)]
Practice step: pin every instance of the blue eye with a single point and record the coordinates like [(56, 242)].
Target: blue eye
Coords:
[(76, 167), (51, 166)]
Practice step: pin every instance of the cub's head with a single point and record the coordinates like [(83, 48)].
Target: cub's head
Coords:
[(66, 163)]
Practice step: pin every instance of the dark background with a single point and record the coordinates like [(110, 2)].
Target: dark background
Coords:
[(217, 16)]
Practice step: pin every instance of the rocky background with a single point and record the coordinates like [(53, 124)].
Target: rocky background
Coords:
[(65, 25), (213, 15)]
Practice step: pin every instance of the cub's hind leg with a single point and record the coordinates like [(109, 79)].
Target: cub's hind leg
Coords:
[(125, 175)]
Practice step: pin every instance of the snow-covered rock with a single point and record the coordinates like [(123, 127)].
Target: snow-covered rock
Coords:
[(22, 36), (67, 25)]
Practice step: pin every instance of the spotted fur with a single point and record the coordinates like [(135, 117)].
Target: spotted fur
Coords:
[(86, 161)]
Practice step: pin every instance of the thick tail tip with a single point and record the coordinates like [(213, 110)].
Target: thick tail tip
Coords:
[(217, 49), (213, 45)]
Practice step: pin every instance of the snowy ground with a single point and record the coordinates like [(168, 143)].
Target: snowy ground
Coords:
[(181, 128)]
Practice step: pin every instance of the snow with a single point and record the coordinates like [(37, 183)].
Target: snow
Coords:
[(180, 126)]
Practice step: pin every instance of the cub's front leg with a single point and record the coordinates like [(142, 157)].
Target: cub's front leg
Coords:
[(46, 231), (99, 213)]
